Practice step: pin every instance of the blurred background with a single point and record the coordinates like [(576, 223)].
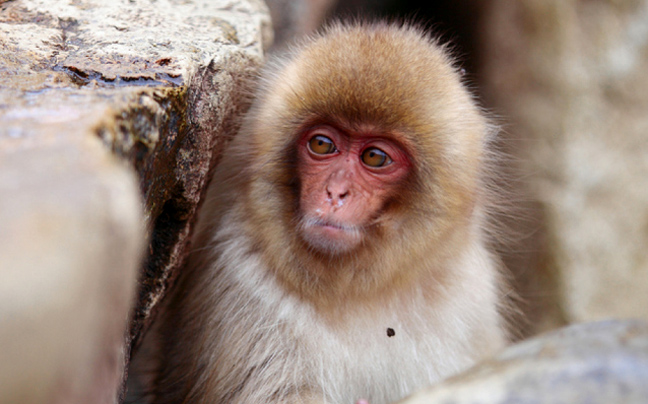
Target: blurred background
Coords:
[(566, 82)]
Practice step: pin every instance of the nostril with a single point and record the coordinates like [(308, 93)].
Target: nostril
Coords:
[(336, 196), (337, 189)]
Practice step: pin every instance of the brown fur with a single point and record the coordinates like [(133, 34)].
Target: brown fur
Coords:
[(259, 317)]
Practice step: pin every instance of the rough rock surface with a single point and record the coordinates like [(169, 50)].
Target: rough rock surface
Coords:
[(594, 363), (161, 84), (570, 78)]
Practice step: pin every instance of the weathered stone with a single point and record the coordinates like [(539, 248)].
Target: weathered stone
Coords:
[(160, 83), (596, 363), (570, 77), (295, 18), (71, 240)]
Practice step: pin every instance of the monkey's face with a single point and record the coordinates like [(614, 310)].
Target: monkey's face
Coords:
[(345, 178)]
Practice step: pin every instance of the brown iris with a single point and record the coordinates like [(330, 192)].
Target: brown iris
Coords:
[(321, 145), (374, 157)]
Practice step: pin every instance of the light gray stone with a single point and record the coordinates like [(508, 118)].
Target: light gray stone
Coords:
[(594, 363), (570, 78), (71, 241), (162, 85), (295, 18)]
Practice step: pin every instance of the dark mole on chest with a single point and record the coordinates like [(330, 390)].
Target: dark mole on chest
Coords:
[(390, 332)]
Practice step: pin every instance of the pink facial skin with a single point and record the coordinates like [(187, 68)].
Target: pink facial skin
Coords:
[(345, 180)]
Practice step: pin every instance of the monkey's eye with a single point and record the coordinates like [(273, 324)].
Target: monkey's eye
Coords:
[(321, 145), (374, 157)]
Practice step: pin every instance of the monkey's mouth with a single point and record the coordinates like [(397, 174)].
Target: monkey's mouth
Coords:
[(328, 224), (335, 226), (330, 236)]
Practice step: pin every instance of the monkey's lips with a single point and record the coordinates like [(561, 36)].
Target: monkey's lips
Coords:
[(330, 236)]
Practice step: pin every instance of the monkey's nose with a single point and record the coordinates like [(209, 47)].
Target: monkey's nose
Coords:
[(337, 196), (337, 192), (338, 186)]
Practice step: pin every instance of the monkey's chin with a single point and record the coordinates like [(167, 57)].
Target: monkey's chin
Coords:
[(331, 238)]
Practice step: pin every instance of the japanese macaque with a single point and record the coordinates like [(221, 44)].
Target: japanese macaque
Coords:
[(341, 253)]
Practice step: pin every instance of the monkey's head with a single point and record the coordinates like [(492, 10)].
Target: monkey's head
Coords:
[(361, 145)]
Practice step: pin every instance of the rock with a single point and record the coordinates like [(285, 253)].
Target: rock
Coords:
[(605, 362), (569, 77), (162, 85), (295, 18), (71, 241)]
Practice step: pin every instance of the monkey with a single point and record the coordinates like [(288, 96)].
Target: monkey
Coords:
[(342, 251)]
